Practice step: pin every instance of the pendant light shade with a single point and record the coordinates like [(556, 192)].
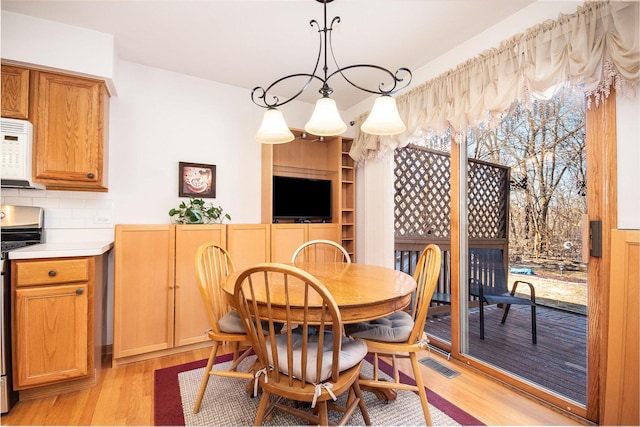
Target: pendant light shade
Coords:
[(273, 129), (325, 120), (384, 118)]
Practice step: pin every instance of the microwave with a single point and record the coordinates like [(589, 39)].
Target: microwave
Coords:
[(17, 156)]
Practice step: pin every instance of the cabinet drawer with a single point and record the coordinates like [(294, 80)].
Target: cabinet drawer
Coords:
[(54, 271)]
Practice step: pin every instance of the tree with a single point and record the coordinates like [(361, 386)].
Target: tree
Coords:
[(544, 144)]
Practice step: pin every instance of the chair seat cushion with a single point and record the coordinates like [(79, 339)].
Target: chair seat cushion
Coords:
[(231, 323), (352, 352), (393, 328)]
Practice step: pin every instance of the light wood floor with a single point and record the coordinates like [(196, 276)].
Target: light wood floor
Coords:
[(124, 396)]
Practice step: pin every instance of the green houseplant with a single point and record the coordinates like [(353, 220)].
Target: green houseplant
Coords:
[(196, 211)]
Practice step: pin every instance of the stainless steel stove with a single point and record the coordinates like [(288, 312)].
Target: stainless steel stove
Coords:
[(20, 226)]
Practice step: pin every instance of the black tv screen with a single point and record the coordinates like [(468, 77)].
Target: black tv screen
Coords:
[(301, 198)]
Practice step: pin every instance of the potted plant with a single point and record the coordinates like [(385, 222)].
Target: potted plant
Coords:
[(196, 211)]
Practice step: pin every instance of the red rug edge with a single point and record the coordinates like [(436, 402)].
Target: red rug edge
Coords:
[(167, 405)]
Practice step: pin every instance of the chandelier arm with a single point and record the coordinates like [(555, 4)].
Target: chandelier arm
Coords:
[(396, 78), (259, 93)]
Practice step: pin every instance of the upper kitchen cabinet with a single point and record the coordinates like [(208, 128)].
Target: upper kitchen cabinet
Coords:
[(69, 117), (15, 92)]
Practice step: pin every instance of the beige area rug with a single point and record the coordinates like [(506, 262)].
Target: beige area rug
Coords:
[(226, 403)]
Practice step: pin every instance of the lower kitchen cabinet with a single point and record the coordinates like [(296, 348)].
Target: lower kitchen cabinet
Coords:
[(248, 244), (191, 319), (157, 303), (57, 322), (158, 309)]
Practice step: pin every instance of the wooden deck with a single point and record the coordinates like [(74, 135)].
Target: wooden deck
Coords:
[(557, 362)]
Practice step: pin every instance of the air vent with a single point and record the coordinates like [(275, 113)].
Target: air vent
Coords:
[(15, 126), (439, 367)]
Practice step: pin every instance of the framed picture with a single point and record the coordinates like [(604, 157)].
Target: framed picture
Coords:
[(197, 180)]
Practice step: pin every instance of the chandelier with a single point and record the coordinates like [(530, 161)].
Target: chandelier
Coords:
[(383, 119)]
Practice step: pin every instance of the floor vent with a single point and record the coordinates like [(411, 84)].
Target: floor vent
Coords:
[(439, 367)]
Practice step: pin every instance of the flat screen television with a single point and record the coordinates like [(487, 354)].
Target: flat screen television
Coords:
[(302, 199)]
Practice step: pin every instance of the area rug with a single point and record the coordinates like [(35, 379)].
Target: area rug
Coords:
[(226, 403)]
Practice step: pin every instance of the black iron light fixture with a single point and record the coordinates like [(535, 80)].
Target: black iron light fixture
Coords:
[(384, 118)]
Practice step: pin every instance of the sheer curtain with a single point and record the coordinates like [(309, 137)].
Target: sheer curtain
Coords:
[(595, 48)]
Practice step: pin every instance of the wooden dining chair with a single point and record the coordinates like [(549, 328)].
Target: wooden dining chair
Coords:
[(307, 362), (321, 251), (213, 265), (401, 334)]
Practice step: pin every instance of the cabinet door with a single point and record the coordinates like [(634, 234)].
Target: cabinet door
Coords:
[(68, 117), (51, 334), (623, 377), (285, 239), (15, 92), (143, 294), (248, 244), (192, 322), (325, 232)]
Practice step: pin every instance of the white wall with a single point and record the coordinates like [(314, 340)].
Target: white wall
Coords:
[(628, 130), (160, 118), (56, 46)]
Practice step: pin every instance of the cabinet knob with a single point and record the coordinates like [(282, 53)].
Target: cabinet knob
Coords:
[(52, 273), (79, 291), (90, 175)]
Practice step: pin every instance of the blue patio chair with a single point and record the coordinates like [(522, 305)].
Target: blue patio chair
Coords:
[(488, 282)]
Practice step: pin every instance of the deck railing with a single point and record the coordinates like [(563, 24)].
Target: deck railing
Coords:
[(407, 251)]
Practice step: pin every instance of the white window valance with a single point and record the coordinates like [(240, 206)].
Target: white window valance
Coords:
[(595, 48)]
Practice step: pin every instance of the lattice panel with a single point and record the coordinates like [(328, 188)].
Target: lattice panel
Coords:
[(423, 202), (422, 193), (488, 196)]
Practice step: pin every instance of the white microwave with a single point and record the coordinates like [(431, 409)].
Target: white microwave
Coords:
[(16, 168)]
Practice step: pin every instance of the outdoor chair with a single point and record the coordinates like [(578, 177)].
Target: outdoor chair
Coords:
[(321, 251), (488, 282), (312, 362), (213, 265), (401, 334)]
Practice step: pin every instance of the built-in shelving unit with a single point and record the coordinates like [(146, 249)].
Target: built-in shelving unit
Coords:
[(309, 156), (348, 192)]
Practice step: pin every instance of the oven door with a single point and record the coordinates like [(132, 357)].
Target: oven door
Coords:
[(8, 397)]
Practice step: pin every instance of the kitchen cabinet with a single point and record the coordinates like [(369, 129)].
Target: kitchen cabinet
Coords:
[(286, 238), (157, 303), (248, 244), (69, 117), (192, 321), (53, 320), (15, 92)]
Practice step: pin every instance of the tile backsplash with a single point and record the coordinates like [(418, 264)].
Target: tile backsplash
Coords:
[(68, 215)]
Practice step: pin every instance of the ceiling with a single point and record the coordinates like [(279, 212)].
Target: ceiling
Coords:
[(249, 43)]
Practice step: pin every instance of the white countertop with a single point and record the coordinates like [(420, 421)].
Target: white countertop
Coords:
[(61, 250)]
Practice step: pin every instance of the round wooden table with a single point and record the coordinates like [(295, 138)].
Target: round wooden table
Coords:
[(362, 292)]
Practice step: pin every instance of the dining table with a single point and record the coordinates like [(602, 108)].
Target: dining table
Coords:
[(362, 292)]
